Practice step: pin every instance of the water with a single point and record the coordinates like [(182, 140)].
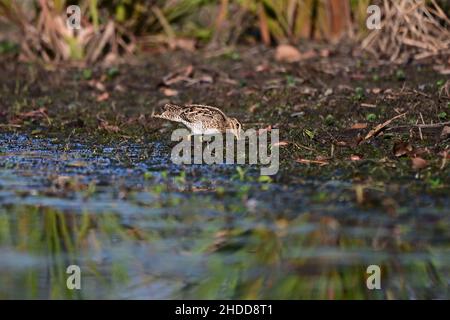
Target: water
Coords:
[(140, 227)]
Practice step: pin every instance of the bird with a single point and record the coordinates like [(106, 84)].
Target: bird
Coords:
[(200, 119)]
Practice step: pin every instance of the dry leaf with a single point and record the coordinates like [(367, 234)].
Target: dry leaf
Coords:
[(206, 79), (108, 127), (39, 113), (402, 149), (324, 53), (307, 161), (281, 144), (287, 53), (445, 132), (119, 88), (177, 76), (418, 163), (184, 44), (368, 105), (442, 69), (253, 107), (103, 124), (262, 67), (359, 126), (308, 55), (97, 85), (376, 90), (169, 92), (445, 155), (103, 97)]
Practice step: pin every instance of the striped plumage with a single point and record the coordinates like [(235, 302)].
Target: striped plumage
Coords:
[(200, 119)]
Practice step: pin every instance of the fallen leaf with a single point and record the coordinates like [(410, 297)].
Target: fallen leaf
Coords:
[(308, 55), (445, 156), (206, 79), (442, 69), (253, 107), (298, 114), (169, 92), (418, 163), (102, 97), (104, 125), (324, 53), (180, 75), (185, 44), (376, 90), (287, 53), (39, 113), (97, 85), (262, 67), (119, 88), (357, 76), (307, 161), (402, 148), (281, 144), (368, 105), (328, 92), (109, 128), (445, 132), (359, 126)]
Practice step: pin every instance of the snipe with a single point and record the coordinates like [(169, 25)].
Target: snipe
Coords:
[(200, 119)]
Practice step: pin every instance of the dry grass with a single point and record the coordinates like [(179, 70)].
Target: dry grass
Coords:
[(46, 37), (410, 29)]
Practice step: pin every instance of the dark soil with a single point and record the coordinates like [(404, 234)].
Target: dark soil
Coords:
[(314, 103)]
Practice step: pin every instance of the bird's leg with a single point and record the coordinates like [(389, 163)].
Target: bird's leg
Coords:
[(207, 143)]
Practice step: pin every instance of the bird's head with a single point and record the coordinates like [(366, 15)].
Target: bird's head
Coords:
[(169, 112), (236, 127)]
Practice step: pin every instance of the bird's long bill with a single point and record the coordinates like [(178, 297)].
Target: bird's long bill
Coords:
[(162, 115), (235, 132)]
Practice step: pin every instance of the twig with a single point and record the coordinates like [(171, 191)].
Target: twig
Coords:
[(8, 125), (375, 131), (300, 146), (430, 125), (307, 161)]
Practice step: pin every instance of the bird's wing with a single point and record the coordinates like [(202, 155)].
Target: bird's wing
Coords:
[(209, 108), (200, 113)]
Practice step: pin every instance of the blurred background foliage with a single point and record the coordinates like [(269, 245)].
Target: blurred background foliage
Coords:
[(114, 27)]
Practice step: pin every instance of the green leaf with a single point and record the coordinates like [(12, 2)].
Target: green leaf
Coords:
[(87, 74), (265, 179), (371, 117)]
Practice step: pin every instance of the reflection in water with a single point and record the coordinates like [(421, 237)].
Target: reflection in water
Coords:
[(210, 256), (141, 228)]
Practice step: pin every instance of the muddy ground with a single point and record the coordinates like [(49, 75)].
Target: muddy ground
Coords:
[(81, 140), (323, 106)]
